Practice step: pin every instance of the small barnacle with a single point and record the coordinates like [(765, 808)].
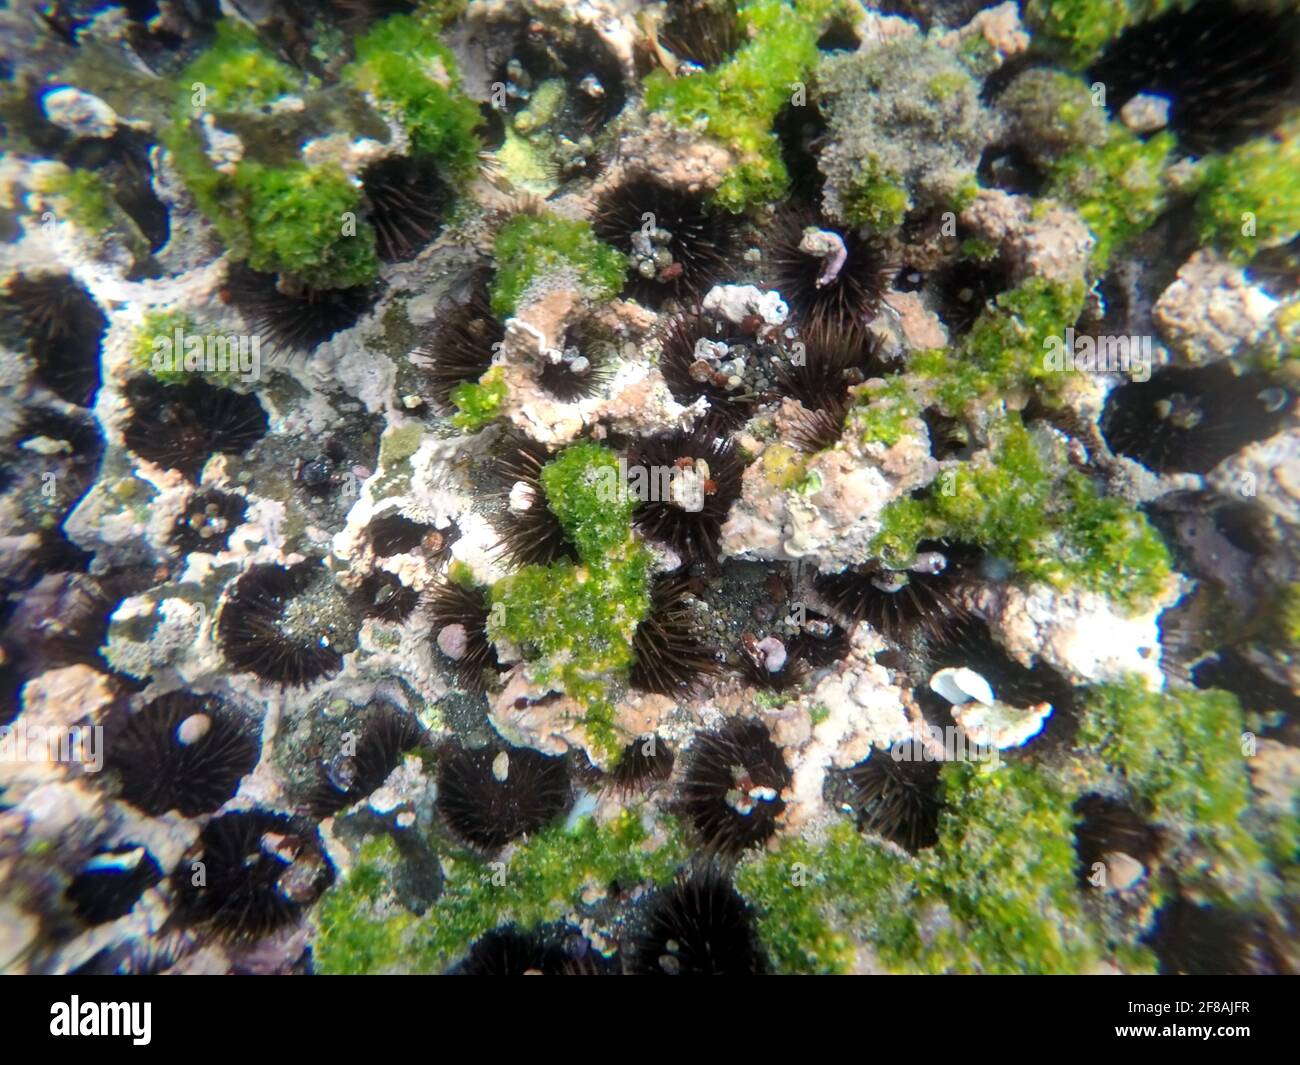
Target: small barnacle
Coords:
[(64, 327), (386, 735), (898, 603), (677, 247), (702, 32), (1108, 828), (251, 873), (182, 752), (459, 615), (491, 795), (895, 794), (1205, 940), (406, 201), (108, 886), (266, 628), (1190, 420), (685, 339), (291, 314), (180, 427), (700, 926), (645, 761), (1228, 70), (385, 597), (771, 664), (465, 339), (668, 655), (531, 534), (583, 367), (731, 791), (691, 479), (830, 280), (207, 521)]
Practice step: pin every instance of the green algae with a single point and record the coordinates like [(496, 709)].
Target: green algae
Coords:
[(1079, 29), (573, 621), (531, 247), (404, 65), (1250, 197), (736, 103), (479, 402), (1055, 526), (1181, 753), (596, 521), (997, 894), (364, 930)]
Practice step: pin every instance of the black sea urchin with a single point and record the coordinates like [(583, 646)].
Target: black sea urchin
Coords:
[(1204, 940), (689, 481), (698, 927), (829, 279), (702, 32), (207, 521), (1227, 69), (179, 427), (491, 795), (64, 327), (898, 603), (731, 791), (771, 664), (385, 597), (265, 629), (668, 655), (366, 760), (182, 752), (406, 200), (463, 343), (393, 533), (584, 368), (508, 951), (678, 247), (530, 532), (1107, 828), (459, 616), (293, 315), (898, 798), (689, 376), (1190, 420), (109, 885), (645, 761), (250, 873)]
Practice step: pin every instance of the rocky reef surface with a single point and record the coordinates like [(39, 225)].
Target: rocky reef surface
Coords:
[(707, 485)]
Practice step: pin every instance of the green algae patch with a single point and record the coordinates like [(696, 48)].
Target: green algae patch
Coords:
[(364, 930), (997, 894), (1250, 198), (583, 487), (736, 103), (883, 414), (283, 216), (479, 402), (237, 73), (815, 902), (1006, 349), (1181, 754), (1006, 869), (573, 622), (1052, 524), (1118, 188), (529, 247), (84, 197), (404, 65), (158, 326), (1078, 30)]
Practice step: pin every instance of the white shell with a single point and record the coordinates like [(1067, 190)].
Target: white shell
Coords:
[(961, 685)]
